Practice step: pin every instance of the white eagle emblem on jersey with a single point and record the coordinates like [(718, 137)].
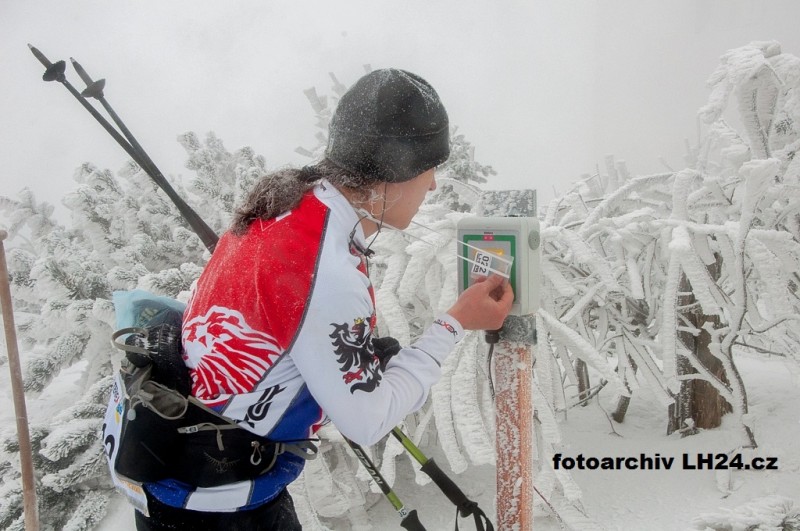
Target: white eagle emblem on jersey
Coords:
[(225, 355)]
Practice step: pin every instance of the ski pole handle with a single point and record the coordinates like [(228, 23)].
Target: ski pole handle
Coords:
[(447, 486), (411, 522)]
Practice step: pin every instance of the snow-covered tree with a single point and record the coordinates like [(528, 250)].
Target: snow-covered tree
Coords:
[(657, 279)]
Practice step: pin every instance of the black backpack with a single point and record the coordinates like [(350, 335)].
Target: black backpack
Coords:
[(156, 430)]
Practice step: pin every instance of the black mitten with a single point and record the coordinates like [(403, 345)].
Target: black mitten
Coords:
[(163, 343), (385, 348)]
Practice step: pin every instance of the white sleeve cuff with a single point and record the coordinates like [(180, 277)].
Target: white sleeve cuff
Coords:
[(440, 338), (451, 325)]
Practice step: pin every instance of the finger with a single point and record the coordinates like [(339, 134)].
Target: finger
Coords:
[(493, 281), (502, 293), (508, 295)]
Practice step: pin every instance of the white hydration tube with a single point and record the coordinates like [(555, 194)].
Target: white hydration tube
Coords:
[(507, 262)]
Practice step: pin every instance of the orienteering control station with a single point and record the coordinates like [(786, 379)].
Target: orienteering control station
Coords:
[(507, 246)]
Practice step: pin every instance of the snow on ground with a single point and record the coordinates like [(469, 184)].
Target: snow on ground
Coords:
[(622, 500), (670, 499)]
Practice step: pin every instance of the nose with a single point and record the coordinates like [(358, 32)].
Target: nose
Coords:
[(433, 184)]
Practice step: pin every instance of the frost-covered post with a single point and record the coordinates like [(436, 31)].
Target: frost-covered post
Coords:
[(514, 414), (514, 378), (25, 452)]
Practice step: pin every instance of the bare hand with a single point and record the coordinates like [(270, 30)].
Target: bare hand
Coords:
[(484, 305)]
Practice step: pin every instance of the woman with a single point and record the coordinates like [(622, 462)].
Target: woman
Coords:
[(278, 335)]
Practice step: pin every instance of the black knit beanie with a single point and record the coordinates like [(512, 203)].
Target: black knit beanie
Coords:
[(390, 126)]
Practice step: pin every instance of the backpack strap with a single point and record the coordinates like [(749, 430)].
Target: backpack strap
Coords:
[(130, 348)]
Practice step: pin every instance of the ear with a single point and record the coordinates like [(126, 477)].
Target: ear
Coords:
[(364, 197)]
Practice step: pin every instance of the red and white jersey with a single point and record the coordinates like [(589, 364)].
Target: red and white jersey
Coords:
[(278, 333)]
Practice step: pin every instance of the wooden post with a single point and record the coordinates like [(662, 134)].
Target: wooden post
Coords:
[(25, 451), (514, 419), (513, 362)]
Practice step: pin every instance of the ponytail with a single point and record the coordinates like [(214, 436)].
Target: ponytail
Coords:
[(282, 190)]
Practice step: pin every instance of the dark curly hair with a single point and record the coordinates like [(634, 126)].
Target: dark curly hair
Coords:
[(281, 191)]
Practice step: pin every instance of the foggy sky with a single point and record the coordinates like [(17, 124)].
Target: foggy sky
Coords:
[(543, 89)]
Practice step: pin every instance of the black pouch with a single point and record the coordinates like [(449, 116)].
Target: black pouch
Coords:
[(216, 453), (149, 442)]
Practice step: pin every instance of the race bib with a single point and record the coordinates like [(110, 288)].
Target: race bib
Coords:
[(112, 432)]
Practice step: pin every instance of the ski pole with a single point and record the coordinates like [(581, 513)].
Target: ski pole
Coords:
[(55, 72), (410, 520), (464, 506), (94, 89)]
